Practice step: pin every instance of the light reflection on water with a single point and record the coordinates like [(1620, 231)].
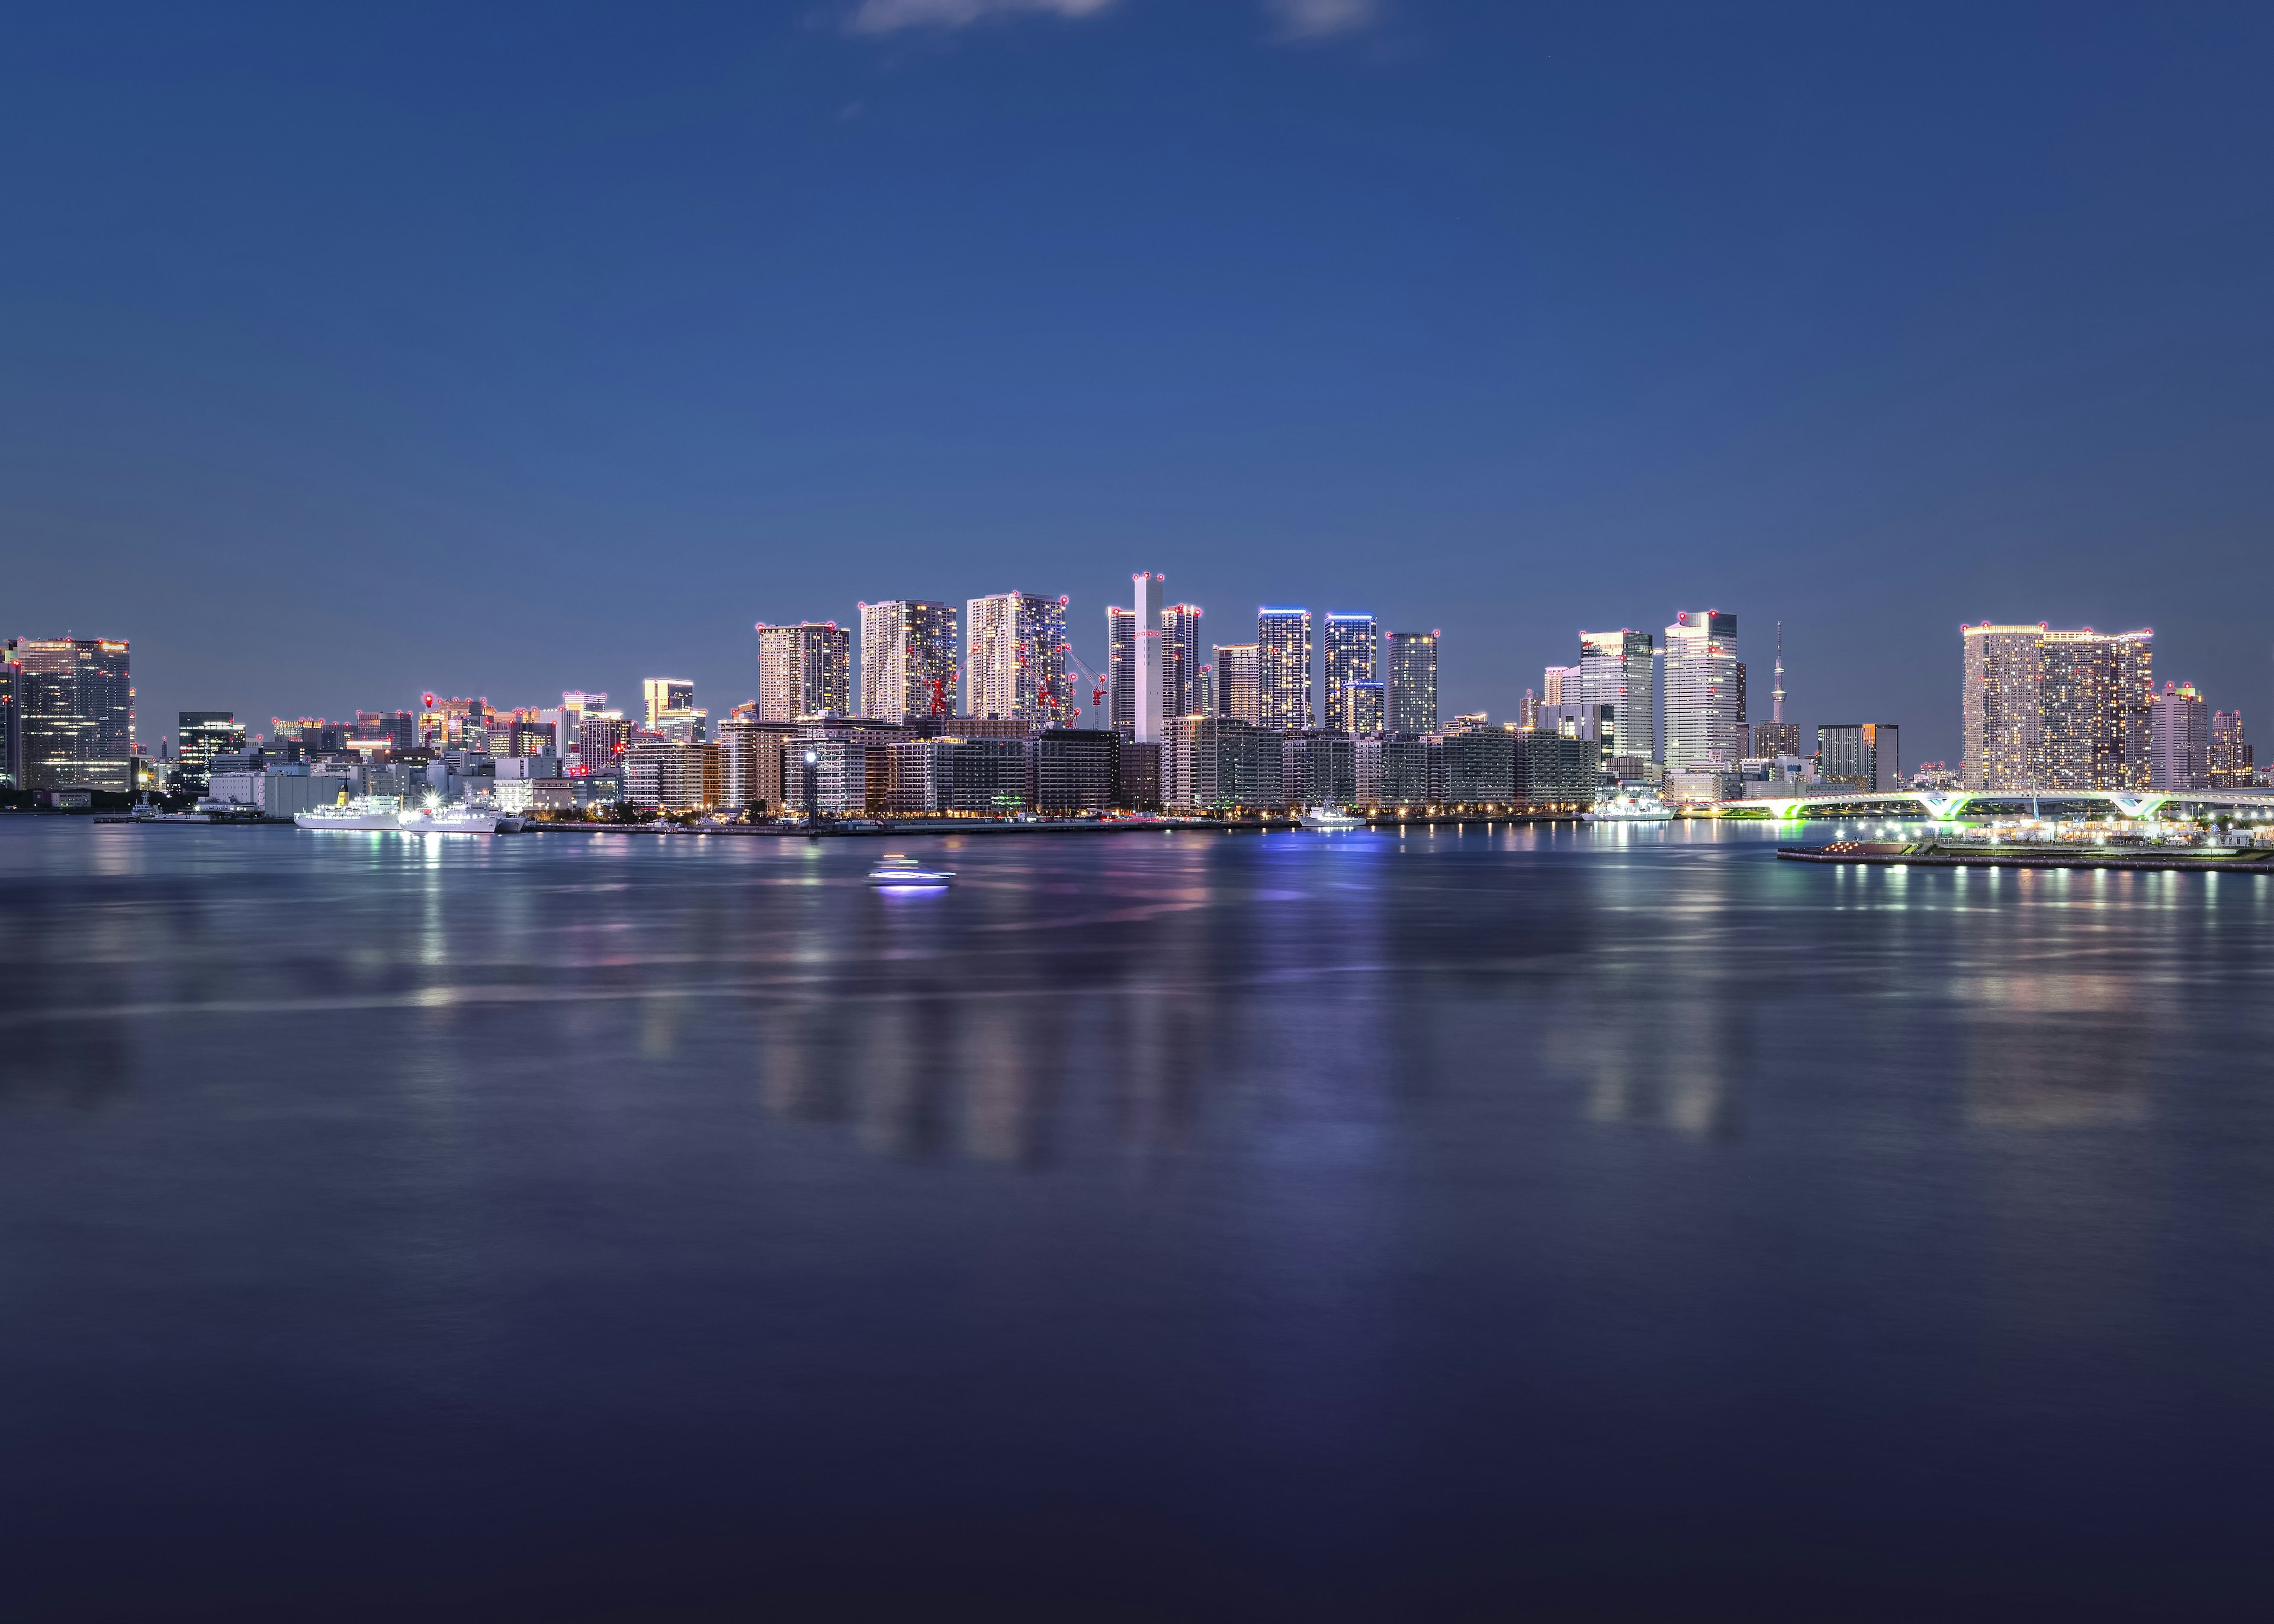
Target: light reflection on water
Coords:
[(1332, 1205)]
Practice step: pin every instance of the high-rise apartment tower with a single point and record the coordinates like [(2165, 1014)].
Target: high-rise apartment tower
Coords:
[(1015, 659), (2055, 710), (1181, 660), (72, 720), (1413, 682), (1702, 728), (1351, 642), (907, 659), (804, 670), (1283, 642)]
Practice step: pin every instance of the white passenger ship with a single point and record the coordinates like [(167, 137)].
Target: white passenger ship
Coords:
[(360, 812), (1629, 806)]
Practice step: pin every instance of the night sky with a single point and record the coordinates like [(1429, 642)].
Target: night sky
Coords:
[(350, 353)]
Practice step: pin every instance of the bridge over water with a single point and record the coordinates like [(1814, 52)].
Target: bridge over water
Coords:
[(1943, 806)]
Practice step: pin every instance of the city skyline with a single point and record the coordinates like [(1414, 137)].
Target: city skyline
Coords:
[(1451, 381)]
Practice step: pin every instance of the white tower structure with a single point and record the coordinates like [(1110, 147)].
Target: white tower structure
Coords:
[(1147, 673)]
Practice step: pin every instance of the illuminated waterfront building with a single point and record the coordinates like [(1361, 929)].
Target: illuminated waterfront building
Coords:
[(1368, 706), (1553, 678), (1121, 664), (1480, 766), (1702, 729), (1862, 755), (670, 700), (1413, 682), (1283, 654), (1073, 769), (71, 719), (1015, 659), (2229, 763), (199, 736), (750, 761), (673, 775), (1211, 763), (804, 670), (1351, 643), (1318, 769), (1181, 665), (907, 659), (2056, 709), (1238, 682), (1772, 739), (601, 738), (2178, 740)]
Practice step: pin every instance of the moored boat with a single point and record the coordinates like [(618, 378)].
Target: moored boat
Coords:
[(1329, 818), (370, 812), (1628, 806)]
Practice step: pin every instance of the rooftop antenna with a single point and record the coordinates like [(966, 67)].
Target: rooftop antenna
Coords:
[(1776, 695)]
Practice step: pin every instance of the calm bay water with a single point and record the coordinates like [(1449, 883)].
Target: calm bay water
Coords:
[(1576, 1224)]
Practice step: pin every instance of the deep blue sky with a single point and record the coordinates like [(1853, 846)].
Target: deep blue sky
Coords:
[(350, 353)]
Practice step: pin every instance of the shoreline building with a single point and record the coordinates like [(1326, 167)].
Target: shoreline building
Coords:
[(1181, 664), (1121, 666), (1283, 645), (1412, 682), (909, 659), (1701, 692), (1351, 643), (1015, 659), (1612, 684), (70, 722), (804, 670), (671, 712), (2229, 763), (1864, 756), (2045, 710), (199, 736), (2178, 740)]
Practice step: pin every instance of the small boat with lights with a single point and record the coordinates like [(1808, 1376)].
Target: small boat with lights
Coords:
[(1329, 818), (901, 873), (1629, 806), (357, 812)]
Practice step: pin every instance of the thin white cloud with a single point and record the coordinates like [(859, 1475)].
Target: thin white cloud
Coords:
[(1320, 19), (894, 16)]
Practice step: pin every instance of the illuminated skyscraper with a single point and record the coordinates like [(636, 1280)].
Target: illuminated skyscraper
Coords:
[(1998, 706), (1239, 681), (1015, 659), (72, 720), (1701, 695), (1616, 669), (1350, 646), (803, 670), (1181, 661), (2179, 745), (1121, 664), (2094, 694), (1413, 682), (1366, 703), (2056, 709), (199, 736), (1283, 643), (2231, 765), (907, 659), (670, 705)]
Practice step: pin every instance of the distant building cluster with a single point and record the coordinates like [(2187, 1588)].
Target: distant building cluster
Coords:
[(980, 712), (2045, 710)]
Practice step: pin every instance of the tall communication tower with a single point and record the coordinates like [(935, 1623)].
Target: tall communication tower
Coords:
[(1776, 695)]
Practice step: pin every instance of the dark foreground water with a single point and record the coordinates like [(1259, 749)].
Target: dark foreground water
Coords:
[(1300, 1226)]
